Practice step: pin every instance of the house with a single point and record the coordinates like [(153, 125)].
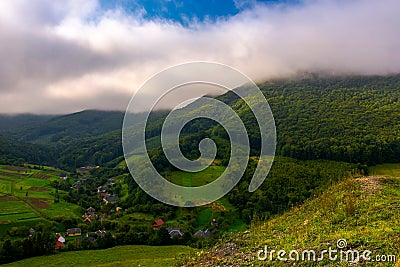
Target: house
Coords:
[(88, 168), (60, 241), (201, 233), (74, 232), (98, 233), (31, 232), (90, 211), (157, 224), (77, 185), (111, 181), (87, 219), (174, 232), (93, 236), (102, 191), (112, 199), (63, 176)]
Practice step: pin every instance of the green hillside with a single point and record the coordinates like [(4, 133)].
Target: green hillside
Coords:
[(16, 152), (351, 118), (117, 256), (9, 123), (46, 129), (363, 211)]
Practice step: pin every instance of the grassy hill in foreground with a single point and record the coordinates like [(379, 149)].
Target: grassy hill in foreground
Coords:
[(116, 256), (363, 211)]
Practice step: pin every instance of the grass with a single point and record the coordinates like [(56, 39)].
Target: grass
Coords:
[(136, 218), (117, 256), (61, 209), (363, 211), (204, 217), (206, 214), (16, 208), (388, 169), (5, 187), (196, 179)]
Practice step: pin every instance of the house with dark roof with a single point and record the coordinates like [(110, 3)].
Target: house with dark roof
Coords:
[(110, 199), (63, 176), (175, 232), (98, 233), (102, 191), (201, 233), (74, 232), (87, 168), (90, 211)]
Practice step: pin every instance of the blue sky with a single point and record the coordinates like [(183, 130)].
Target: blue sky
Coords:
[(186, 11)]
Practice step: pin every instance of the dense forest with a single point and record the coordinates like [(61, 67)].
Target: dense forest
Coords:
[(352, 119)]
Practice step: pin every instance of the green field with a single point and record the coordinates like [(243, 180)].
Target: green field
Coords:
[(16, 209), (206, 213), (197, 178), (388, 169), (117, 256)]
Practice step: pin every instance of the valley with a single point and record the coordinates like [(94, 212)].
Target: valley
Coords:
[(336, 168)]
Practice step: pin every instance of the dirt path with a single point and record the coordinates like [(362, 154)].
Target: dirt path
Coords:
[(370, 184), (24, 200), (32, 207)]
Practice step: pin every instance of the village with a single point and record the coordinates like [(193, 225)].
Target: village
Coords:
[(92, 216)]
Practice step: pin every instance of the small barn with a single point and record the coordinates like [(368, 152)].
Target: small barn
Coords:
[(157, 224), (60, 241)]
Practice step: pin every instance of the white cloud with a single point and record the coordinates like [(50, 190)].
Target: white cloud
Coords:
[(75, 56)]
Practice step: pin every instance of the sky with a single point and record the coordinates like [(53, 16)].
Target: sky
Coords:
[(60, 57)]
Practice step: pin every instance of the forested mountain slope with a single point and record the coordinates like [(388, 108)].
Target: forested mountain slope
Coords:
[(51, 129), (351, 118)]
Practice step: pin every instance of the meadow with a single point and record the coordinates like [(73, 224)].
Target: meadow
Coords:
[(27, 197), (197, 178), (363, 211), (388, 169), (132, 255)]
